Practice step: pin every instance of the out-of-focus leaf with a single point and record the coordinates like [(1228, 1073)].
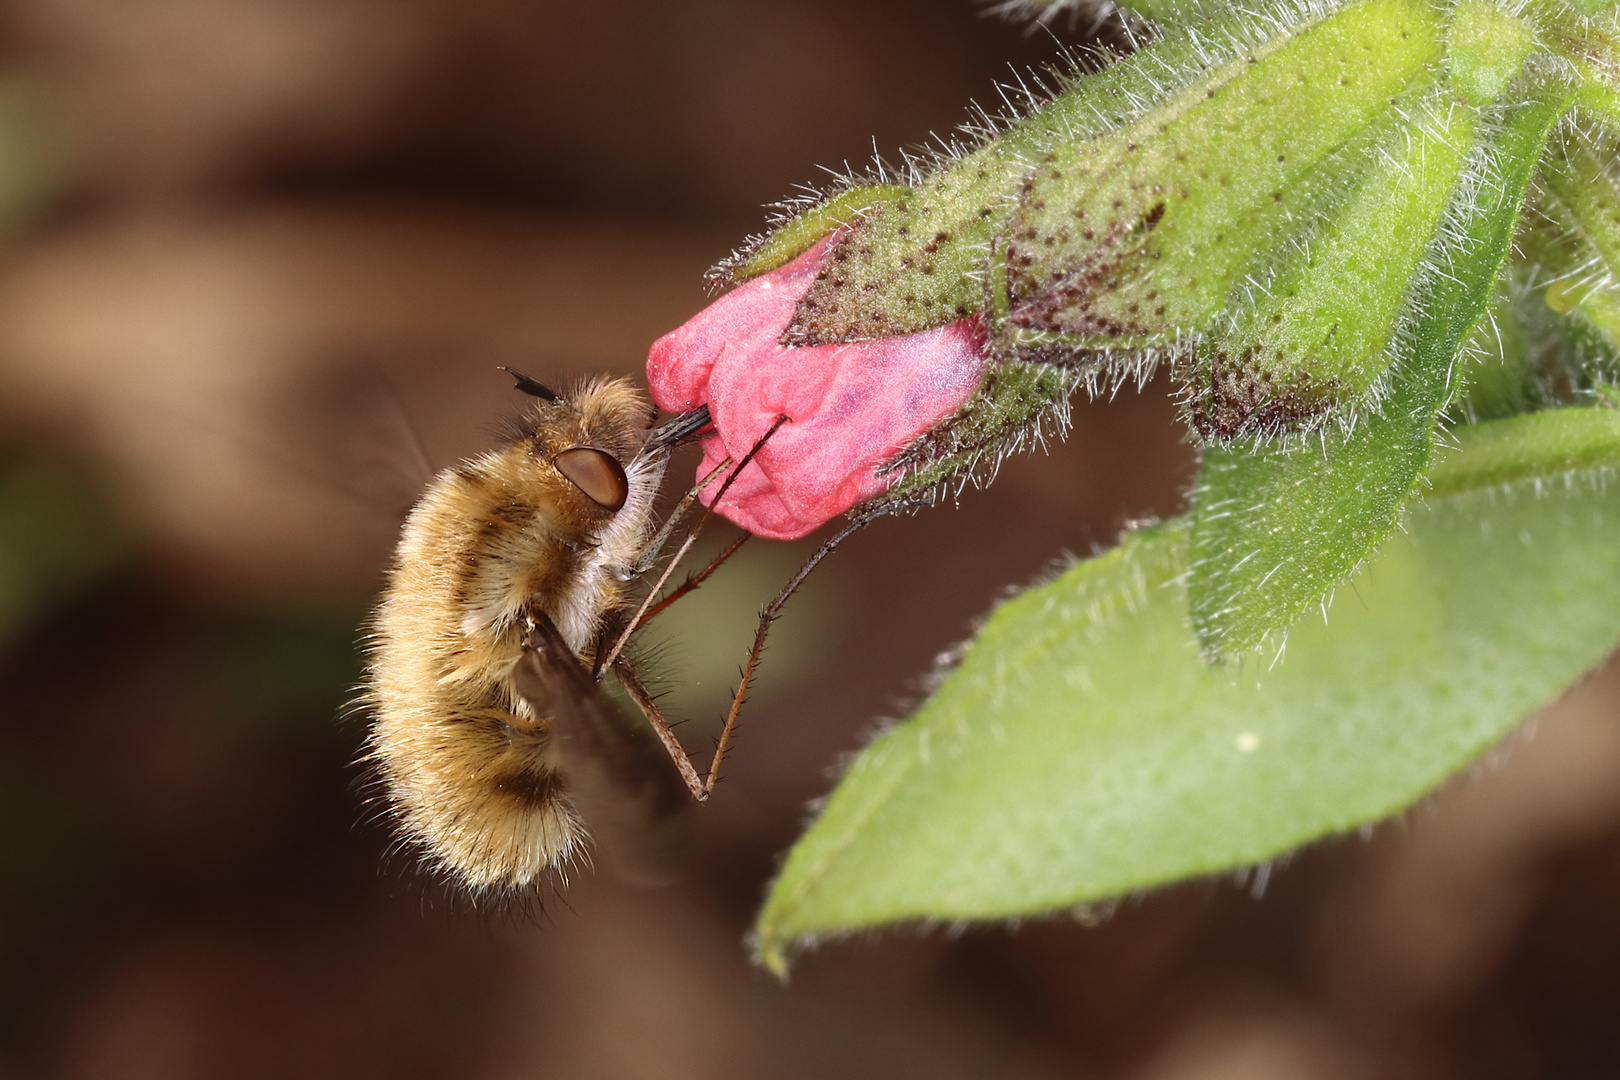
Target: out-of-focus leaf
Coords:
[(1501, 370), (280, 672), (35, 151), (1084, 749), (1582, 179), (1547, 445), (1557, 334), (50, 842), (1579, 193), (54, 534), (1274, 529)]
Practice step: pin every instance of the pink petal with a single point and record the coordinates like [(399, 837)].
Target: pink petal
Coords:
[(851, 408)]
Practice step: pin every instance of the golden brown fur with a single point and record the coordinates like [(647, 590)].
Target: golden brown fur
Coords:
[(465, 763)]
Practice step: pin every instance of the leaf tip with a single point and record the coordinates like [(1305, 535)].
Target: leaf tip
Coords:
[(770, 954)]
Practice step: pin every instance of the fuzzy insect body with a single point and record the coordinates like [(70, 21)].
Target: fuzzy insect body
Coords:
[(550, 526)]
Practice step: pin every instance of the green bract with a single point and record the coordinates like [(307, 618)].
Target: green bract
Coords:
[(799, 233), (1276, 526), (1486, 48), (1319, 334), (1138, 237), (918, 263)]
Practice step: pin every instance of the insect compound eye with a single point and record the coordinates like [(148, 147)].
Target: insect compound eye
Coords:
[(595, 473)]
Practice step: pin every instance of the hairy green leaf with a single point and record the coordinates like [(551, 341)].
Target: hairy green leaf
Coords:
[(1275, 527), (1083, 748)]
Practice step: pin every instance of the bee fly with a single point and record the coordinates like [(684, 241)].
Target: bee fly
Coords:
[(509, 597)]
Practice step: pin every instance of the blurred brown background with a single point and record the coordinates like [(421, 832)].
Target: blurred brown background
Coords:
[(248, 245)]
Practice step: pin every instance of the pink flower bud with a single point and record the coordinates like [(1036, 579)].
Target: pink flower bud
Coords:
[(850, 408)]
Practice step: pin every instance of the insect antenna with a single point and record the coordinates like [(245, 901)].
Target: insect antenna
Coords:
[(532, 387)]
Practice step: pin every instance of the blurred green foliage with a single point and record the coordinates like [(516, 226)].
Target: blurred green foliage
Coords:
[(56, 535)]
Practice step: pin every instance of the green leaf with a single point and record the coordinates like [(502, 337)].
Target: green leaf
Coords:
[(1083, 749), (1276, 526)]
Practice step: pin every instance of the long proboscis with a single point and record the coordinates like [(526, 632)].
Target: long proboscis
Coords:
[(681, 430)]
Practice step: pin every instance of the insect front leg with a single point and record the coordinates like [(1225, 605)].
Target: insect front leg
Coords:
[(641, 615)]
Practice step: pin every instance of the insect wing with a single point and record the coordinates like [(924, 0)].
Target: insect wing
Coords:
[(620, 780)]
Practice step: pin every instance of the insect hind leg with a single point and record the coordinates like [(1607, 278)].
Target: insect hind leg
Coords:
[(666, 734), (769, 613)]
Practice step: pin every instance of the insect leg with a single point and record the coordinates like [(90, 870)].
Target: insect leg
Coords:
[(649, 708), (692, 581), (655, 549), (768, 615)]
